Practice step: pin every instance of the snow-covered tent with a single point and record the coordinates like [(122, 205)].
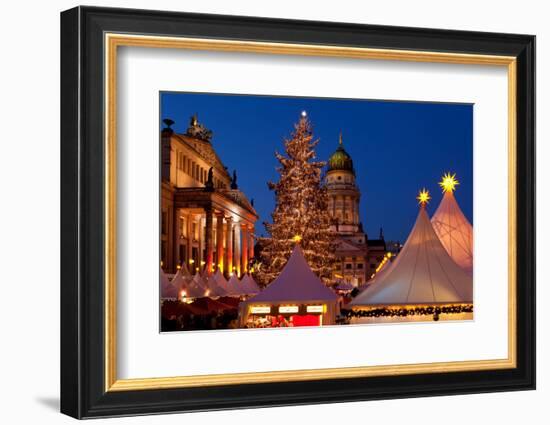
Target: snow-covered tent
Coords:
[(250, 287), (422, 274), (168, 291), (453, 228), (297, 290)]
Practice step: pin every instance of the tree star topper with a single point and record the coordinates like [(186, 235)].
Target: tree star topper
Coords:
[(423, 197), (449, 182)]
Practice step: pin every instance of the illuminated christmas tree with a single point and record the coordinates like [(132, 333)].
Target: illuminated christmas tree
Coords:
[(301, 210)]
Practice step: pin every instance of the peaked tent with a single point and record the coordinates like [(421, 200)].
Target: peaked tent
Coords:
[(234, 286), (454, 231), (249, 285), (423, 273), (181, 277), (168, 291), (296, 284), (193, 289), (187, 284), (199, 281), (217, 285)]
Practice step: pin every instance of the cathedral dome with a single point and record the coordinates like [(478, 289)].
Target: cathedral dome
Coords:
[(340, 159)]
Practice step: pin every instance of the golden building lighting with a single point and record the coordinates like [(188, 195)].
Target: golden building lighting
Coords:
[(205, 218), (357, 255)]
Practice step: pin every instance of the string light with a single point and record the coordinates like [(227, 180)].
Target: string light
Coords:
[(434, 311)]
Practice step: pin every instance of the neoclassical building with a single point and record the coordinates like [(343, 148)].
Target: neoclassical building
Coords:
[(358, 257), (206, 222)]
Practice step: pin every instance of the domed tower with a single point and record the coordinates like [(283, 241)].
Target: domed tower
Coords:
[(352, 251), (343, 193)]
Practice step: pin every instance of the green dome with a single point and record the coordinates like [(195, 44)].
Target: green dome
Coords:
[(340, 160)]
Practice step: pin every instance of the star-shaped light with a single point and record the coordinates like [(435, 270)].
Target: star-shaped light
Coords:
[(297, 238), (304, 114), (423, 197), (448, 183)]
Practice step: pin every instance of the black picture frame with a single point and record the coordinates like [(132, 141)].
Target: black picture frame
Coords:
[(83, 392)]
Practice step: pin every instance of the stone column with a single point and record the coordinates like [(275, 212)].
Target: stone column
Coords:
[(190, 237), (208, 242), (229, 246), (237, 251), (251, 243), (219, 241), (244, 248)]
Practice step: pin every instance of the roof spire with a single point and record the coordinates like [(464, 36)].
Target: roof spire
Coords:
[(340, 138)]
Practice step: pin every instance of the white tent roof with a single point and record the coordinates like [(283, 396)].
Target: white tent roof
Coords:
[(250, 286), (454, 231), (181, 277), (167, 289), (217, 285), (295, 283), (422, 273), (192, 289), (235, 287)]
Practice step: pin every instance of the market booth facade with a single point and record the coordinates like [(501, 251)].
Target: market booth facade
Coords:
[(297, 297)]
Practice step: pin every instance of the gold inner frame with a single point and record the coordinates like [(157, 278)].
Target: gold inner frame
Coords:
[(113, 41)]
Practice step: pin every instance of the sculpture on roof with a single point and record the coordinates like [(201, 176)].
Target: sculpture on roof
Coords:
[(198, 130), (234, 185)]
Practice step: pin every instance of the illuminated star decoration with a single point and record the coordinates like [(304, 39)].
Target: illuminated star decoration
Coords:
[(449, 183), (423, 197), (304, 114), (297, 238)]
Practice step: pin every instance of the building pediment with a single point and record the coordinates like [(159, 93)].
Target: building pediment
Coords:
[(206, 151), (347, 246)]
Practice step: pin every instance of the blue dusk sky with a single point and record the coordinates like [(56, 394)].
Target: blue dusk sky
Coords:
[(397, 148)]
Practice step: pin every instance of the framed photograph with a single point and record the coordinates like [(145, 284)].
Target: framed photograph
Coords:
[(261, 212)]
